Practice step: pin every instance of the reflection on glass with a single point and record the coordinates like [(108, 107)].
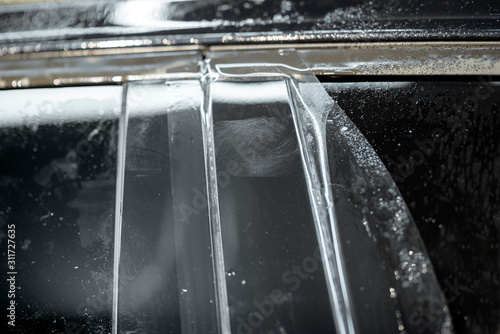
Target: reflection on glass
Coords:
[(274, 274), (57, 185), (166, 282)]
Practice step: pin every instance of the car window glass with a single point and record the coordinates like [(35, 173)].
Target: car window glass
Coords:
[(57, 186)]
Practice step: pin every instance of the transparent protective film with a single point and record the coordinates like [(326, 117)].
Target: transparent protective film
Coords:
[(379, 277), (166, 279), (57, 180), (274, 275)]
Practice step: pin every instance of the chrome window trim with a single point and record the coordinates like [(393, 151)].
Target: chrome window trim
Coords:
[(131, 63)]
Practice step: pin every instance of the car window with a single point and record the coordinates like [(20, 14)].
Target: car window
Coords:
[(57, 181)]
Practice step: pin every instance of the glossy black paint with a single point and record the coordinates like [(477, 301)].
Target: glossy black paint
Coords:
[(439, 141), (250, 22)]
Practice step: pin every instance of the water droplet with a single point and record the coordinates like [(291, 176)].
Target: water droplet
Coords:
[(393, 293)]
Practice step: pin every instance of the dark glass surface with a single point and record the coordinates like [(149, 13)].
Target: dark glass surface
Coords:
[(166, 282), (57, 187), (440, 142), (148, 298), (275, 279)]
